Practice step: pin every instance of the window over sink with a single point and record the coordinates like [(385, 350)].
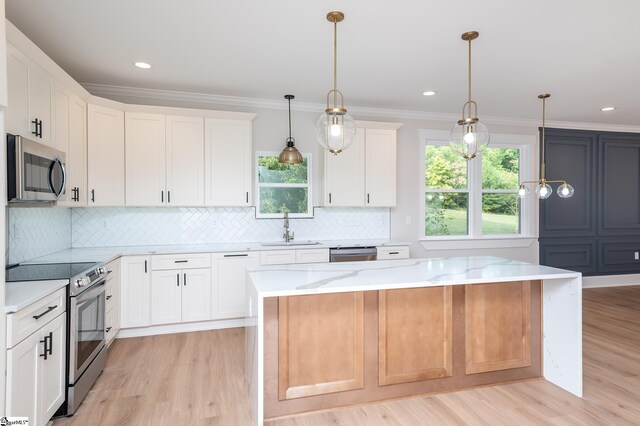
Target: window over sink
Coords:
[(283, 188), (475, 199)]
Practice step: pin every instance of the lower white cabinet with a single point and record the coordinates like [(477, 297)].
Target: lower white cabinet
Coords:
[(180, 296), (36, 373), (112, 302), (135, 285), (394, 252), (229, 283)]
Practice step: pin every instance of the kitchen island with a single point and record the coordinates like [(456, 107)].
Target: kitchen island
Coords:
[(337, 334)]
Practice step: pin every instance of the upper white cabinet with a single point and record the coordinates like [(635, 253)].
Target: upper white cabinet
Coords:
[(380, 167), (185, 161), (164, 158), (105, 164), (145, 159), (30, 97), (364, 175), (228, 160), (71, 137)]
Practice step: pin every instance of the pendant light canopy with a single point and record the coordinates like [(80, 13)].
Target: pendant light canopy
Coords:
[(290, 154), (469, 136), (543, 189), (335, 128)]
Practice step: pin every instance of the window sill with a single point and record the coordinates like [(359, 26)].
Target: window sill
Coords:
[(477, 243)]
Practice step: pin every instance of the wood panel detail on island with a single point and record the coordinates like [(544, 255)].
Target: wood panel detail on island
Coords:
[(329, 335), (338, 349)]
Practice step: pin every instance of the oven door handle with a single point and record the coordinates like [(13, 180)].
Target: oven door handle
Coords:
[(95, 290)]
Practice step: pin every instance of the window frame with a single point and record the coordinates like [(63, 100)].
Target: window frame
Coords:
[(258, 185), (474, 186)]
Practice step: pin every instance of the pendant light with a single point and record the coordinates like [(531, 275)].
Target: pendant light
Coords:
[(335, 128), (543, 189), (290, 154), (469, 136)]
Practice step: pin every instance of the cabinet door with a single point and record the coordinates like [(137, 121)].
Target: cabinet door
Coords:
[(54, 367), (109, 331), (145, 175), (135, 282), (41, 92), (23, 383), (227, 154), (105, 164), (76, 152), (380, 168), (344, 175), (196, 294), (185, 163), (18, 122), (229, 282), (166, 297)]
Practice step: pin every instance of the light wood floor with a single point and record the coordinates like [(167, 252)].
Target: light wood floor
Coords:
[(197, 379)]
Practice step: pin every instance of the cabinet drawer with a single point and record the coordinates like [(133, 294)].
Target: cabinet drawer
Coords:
[(109, 328), (113, 268), (312, 256), (277, 257), (24, 322), (185, 261), (110, 295), (386, 253)]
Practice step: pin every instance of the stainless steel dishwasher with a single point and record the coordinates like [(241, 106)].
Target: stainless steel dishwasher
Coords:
[(352, 254)]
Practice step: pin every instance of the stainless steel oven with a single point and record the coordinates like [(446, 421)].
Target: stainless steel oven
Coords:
[(87, 340)]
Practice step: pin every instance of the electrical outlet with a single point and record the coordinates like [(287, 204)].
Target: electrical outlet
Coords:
[(637, 255), (407, 220)]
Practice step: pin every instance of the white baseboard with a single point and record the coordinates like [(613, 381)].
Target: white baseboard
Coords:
[(180, 328), (611, 281)]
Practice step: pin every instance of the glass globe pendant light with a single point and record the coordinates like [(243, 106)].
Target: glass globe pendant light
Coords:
[(469, 136), (290, 154), (335, 128), (543, 189)]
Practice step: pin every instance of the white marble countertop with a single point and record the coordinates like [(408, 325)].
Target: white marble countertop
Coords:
[(287, 280), (107, 254), (21, 294)]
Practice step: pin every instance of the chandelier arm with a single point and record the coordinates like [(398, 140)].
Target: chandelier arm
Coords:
[(557, 181)]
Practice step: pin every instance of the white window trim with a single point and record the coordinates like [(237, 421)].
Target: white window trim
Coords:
[(308, 185), (474, 186)]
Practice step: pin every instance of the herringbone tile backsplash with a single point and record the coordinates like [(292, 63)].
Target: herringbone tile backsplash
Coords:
[(104, 227), (37, 231)]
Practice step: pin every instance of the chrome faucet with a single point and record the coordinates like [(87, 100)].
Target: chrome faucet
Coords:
[(287, 236)]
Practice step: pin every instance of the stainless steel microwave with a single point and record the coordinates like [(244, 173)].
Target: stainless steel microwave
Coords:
[(35, 172)]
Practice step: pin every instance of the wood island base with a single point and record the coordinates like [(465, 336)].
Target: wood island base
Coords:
[(338, 349)]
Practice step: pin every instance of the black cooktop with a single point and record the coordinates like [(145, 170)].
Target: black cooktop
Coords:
[(46, 271)]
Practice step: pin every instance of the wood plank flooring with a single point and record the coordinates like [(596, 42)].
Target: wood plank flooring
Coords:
[(197, 379)]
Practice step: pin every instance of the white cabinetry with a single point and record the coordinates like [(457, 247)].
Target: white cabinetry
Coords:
[(112, 301), (185, 161), (180, 295), (396, 252), (36, 367), (312, 255), (105, 163), (30, 97), (364, 175), (135, 287), (71, 137), (145, 159), (228, 160), (229, 283)]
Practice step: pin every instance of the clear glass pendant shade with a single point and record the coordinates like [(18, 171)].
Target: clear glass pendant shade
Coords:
[(543, 191), (565, 190), (469, 139), (523, 191), (335, 132)]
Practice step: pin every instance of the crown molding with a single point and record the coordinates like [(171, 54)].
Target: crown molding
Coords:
[(208, 99)]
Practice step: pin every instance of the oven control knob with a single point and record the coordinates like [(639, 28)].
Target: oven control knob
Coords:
[(80, 282), (101, 270)]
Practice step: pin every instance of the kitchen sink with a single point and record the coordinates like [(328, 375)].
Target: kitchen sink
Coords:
[(290, 243)]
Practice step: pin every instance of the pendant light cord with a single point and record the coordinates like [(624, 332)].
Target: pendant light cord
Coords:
[(335, 62), (469, 105), (289, 121), (542, 164)]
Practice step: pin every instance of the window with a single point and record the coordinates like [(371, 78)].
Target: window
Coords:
[(476, 198), (283, 187)]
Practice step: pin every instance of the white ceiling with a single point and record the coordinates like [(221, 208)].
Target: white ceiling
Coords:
[(584, 52)]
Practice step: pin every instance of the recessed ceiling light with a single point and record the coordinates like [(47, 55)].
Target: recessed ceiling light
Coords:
[(429, 93), (142, 65), (607, 109)]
